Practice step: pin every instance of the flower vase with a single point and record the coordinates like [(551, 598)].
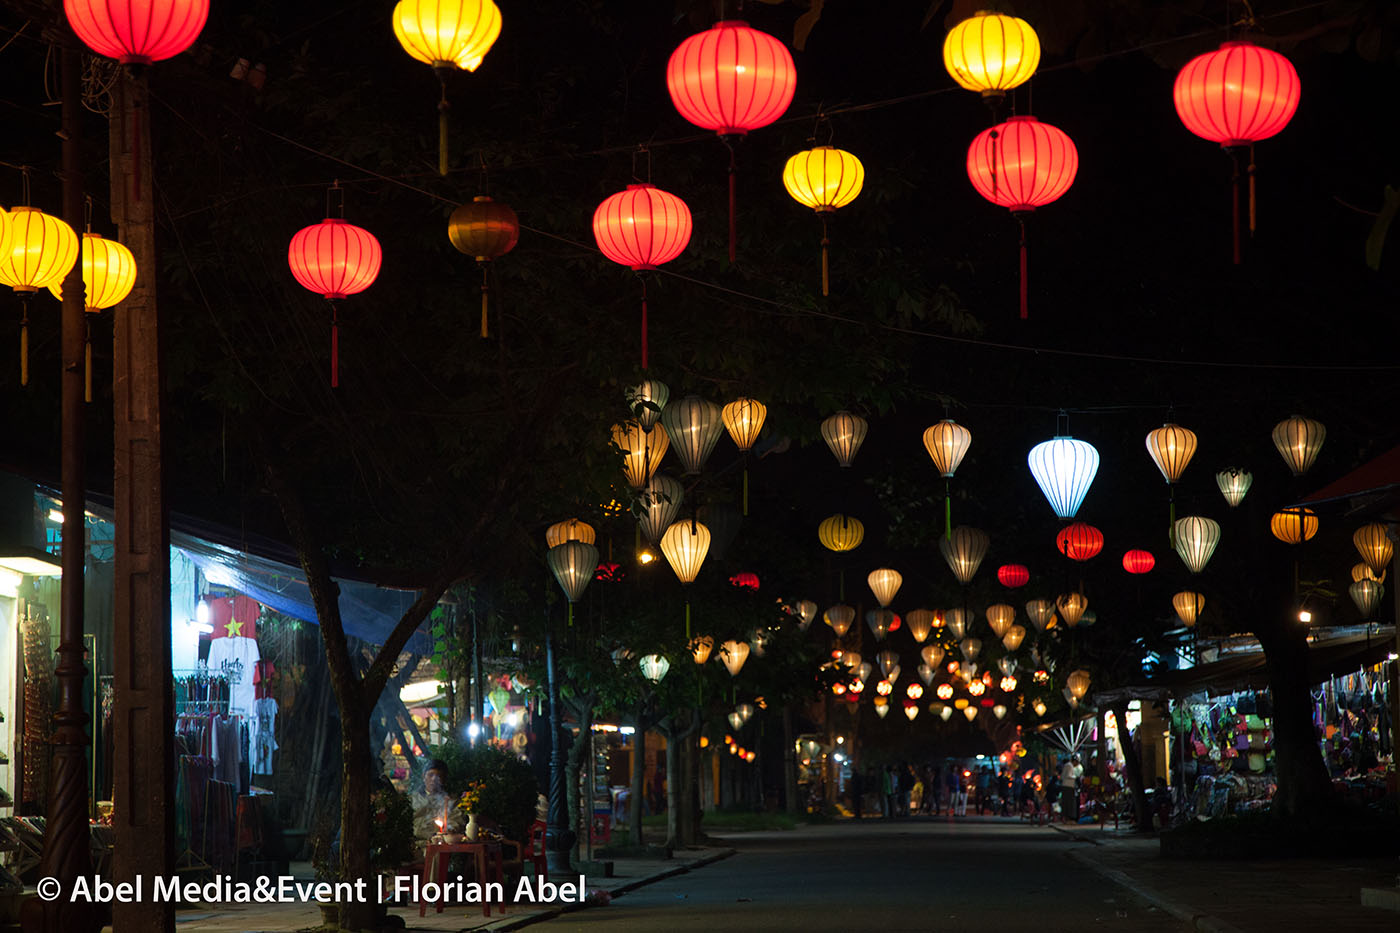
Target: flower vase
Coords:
[(470, 833)]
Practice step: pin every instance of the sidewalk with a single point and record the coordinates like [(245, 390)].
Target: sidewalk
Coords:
[(628, 873), (1235, 896)]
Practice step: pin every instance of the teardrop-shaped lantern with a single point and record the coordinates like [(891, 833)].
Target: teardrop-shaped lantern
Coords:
[(1071, 607), (1171, 447), (1375, 547), (1039, 611), (957, 620), (1195, 539), (734, 654), (1138, 562), (485, 230), (1064, 468), (654, 667), (648, 400), (685, 545), (885, 583), (1079, 541), (1188, 605), (840, 533), (932, 655), (743, 419), (991, 53), (571, 529), (806, 611), (882, 707), (334, 259), (970, 712), (1039, 707), (1013, 576), (1293, 526), (920, 623), (694, 426), (137, 32), (970, 648), (879, 621), (1022, 164), (1298, 440), (573, 564), (888, 661), (926, 674), (700, 648), (840, 617), (964, 551), (999, 618), (824, 179), (642, 451), (658, 505), (1367, 596), (1233, 485), (947, 442), (1078, 683), (1013, 637), (844, 433)]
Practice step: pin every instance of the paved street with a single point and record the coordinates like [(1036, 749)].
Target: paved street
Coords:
[(977, 874)]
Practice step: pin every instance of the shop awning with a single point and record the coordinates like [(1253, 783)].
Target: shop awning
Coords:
[(1375, 477), (1250, 671)]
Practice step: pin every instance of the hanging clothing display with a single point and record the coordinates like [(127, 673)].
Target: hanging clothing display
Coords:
[(264, 735), (234, 647)]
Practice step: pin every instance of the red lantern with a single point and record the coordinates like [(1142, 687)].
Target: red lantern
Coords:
[(1236, 96), (1079, 541), (731, 78), (1013, 575), (1138, 561), (895, 623), (334, 259), (642, 227), (137, 32), (1022, 164), (745, 579), (609, 572)]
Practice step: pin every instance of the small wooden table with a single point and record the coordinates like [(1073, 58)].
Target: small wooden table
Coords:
[(488, 866)]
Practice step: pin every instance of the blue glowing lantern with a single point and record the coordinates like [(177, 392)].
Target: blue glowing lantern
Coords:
[(1064, 468)]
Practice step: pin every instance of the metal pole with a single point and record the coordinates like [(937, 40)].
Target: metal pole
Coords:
[(67, 852), (556, 834)]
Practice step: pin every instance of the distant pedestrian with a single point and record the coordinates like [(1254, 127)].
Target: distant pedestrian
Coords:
[(1052, 795), (964, 784), (1004, 792), (888, 786), (984, 789), (904, 787), (950, 786), (1069, 787)]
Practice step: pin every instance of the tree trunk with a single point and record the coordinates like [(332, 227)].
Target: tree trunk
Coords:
[(354, 800), (1303, 783), (639, 775), (673, 790), (789, 763), (688, 797), (1132, 768)]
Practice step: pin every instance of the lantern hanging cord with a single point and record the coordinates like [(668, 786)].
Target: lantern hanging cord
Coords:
[(826, 266), (335, 200), (733, 221)]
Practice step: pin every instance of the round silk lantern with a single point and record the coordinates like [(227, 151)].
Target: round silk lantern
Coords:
[(642, 227), (1022, 164), (824, 179), (109, 272), (1079, 541), (1013, 576), (485, 230), (1293, 526), (1138, 562), (42, 249), (841, 533), (991, 53), (334, 259), (137, 32)]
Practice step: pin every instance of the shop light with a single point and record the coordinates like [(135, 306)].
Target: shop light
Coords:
[(29, 561), (474, 730), (411, 694), (56, 516)]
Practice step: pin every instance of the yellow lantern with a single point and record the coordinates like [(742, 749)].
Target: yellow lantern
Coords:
[(685, 545), (1078, 683), (1298, 440), (885, 583), (744, 418), (963, 551), (999, 618), (42, 249), (1171, 447), (109, 272), (1361, 572), (6, 231), (1294, 526), (824, 179), (1375, 547), (841, 533), (569, 530), (961, 703), (844, 433), (911, 710), (999, 711), (970, 712), (1040, 612), (734, 654), (700, 648), (1188, 606), (840, 617), (933, 655), (920, 622), (1013, 637), (947, 443), (642, 451), (991, 53), (1039, 707), (1072, 606)]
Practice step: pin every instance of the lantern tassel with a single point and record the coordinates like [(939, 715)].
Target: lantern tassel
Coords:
[(1252, 217), (733, 220), (443, 108), (687, 620), (87, 362), (335, 347), (485, 291), (947, 510), (746, 489), (826, 274), (644, 323), (1235, 205), (1025, 307), (571, 614), (24, 347)]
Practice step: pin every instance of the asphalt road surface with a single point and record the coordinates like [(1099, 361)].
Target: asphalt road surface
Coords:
[(988, 875)]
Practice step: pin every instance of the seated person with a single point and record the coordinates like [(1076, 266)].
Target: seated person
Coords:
[(433, 804)]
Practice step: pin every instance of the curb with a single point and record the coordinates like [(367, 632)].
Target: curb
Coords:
[(1076, 836), (516, 923), (1195, 919)]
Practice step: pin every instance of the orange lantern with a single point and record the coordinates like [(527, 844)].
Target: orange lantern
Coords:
[(334, 259), (485, 230)]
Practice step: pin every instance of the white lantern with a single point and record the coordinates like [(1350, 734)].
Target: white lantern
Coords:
[(884, 583), (957, 622), (693, 426), (964, 551), (654, 667), (1233, 485), (880, 621), (926, 674), (999, 711), (660, 503), (844, 433), (840, 617), (806, 611), (920, 622), (1195, 539), (1040, 612), (1064, 468), (946, 713), (932, 655), (970, 647), (647, 401), (970, 712), (734, 654)]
